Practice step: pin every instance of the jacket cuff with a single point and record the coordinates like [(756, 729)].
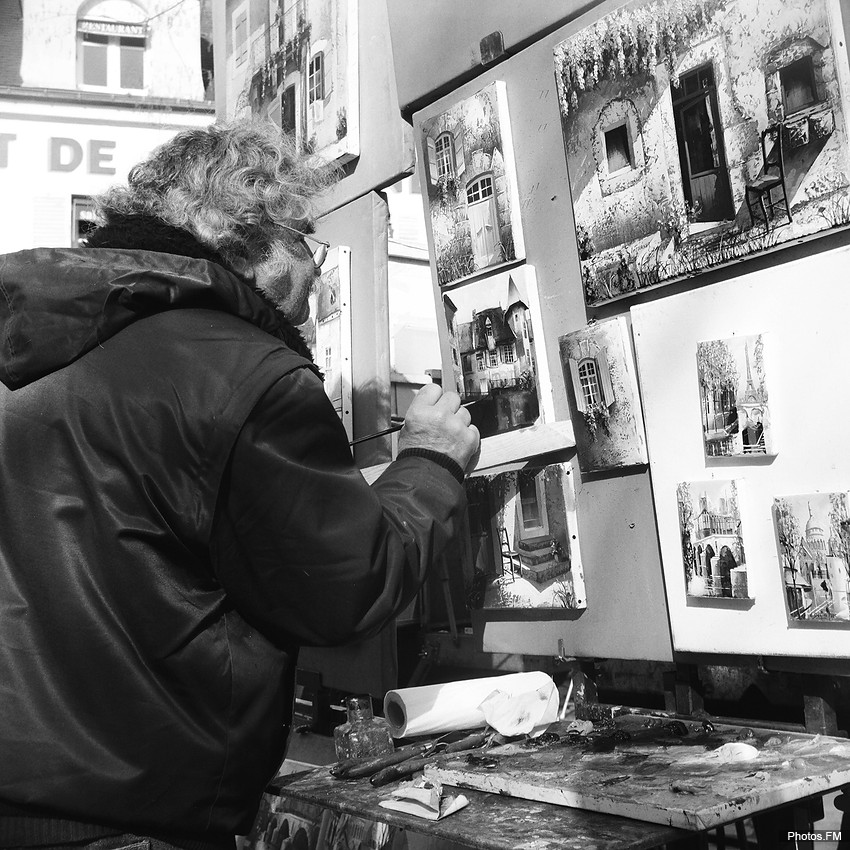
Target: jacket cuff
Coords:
[(439, 458)]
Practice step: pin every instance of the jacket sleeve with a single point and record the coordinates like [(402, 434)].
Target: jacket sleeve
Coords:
[(304, 548)]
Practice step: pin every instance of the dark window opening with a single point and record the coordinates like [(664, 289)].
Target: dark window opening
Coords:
[(617, 148), (798, 85)]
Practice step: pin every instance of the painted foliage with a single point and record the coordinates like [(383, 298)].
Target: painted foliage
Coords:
[(813, 539), (699, 132), (328, 331), (491, 336), (599, 369), (713, 553), (524, 539), (471, 185), (734, 401)]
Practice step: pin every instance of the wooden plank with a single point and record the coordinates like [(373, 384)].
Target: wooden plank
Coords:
[(655, 775)]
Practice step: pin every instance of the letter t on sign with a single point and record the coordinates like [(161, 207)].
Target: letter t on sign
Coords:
[(5, 138)]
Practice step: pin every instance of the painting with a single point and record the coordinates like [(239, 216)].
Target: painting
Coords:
[(471, 185), (494, 360), (734, 408), (599, 370), (713, 553), (328, 331), (700, 132), (813, 539), (301, 72), (524, 539)]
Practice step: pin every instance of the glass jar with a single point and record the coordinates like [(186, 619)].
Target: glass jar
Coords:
[(364, 734)]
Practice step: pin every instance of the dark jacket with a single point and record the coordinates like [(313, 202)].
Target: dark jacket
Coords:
[(179, 510)]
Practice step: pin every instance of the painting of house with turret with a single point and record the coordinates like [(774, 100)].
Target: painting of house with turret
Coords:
[(491, 338), (734, 400), (813, 538), (700, 132), (471, 185)]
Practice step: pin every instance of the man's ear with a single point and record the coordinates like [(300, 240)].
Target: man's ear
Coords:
[(243, 267)]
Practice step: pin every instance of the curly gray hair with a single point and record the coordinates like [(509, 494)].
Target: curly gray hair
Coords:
[(232, 185)]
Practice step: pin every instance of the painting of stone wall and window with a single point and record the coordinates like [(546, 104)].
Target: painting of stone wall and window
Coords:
[(813, 538), (713, 553), (525, 551), (700, 132), (471, 186)]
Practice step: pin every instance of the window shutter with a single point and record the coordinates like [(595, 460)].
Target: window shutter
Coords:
[(457, 139), (432, 159), (605, 378), (580, 404)]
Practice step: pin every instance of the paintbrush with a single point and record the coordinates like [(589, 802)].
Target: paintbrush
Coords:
[(393, 428)]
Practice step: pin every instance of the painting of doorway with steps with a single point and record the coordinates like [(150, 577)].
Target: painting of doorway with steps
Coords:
[(524, 539)]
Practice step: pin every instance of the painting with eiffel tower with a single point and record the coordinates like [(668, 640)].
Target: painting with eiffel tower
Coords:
[(734, 400)]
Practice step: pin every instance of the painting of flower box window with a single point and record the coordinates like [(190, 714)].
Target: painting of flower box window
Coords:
[(700, 132), (813, 537), (525, 550), (713, 554), (491, 337), (328, 331), (599, 368), (471, 185), (733, 397)]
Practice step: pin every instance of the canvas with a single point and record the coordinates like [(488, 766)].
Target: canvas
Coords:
[(700, 132), (301, 72), (328, 331), (524, 539), (713, 551), (734, 400), (813, 541), (495, 365), (470, 182), (599, 370)]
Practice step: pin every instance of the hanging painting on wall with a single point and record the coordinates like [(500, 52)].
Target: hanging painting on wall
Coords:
[(491, 336), (734, 402), (300, 70), (599, 370), (713, 552), (471, 185), (813, 538), (328, 331), (700, 132), (525, 551)]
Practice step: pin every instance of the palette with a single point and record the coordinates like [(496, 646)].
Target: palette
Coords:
[(684, 774)]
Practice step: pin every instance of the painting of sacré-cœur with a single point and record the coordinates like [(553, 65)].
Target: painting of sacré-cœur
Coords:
[(713, 551), (471, 185), (813, 539), (599, 368), (524, 543), (491, 337), (734, 400), (700, 132)]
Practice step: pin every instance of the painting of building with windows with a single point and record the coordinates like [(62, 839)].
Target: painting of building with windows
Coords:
[(471, 185), (700, 132), (813, 539), (328, 331), (296, 63), (491, 338), (599, 369), (733, 397), (713, 552), (524, 543)]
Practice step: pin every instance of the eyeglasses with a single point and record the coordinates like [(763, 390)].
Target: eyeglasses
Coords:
[(320, 254)]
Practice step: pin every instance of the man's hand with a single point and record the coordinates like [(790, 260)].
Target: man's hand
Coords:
[(435, 420)]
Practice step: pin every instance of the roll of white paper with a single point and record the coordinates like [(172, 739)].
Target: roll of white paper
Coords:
[(448, 707)]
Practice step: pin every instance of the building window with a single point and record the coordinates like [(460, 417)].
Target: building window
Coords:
[(287, 110), (488, 330), (492, 358), (479, 360), (82, 219), (797, 81), (329, 359), (507, 354), (111, 55), (445, 155), (316, 78), (589, 382), (617, 149), (480, 189)]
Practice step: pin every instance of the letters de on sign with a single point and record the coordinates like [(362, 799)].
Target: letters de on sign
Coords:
[(67, 155)]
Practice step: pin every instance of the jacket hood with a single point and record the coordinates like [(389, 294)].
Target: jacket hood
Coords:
[(56, 304)]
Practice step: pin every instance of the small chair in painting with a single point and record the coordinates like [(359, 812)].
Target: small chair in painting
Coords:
[(766, 194)]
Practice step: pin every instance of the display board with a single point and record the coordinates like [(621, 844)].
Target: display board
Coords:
[(753, 531)]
